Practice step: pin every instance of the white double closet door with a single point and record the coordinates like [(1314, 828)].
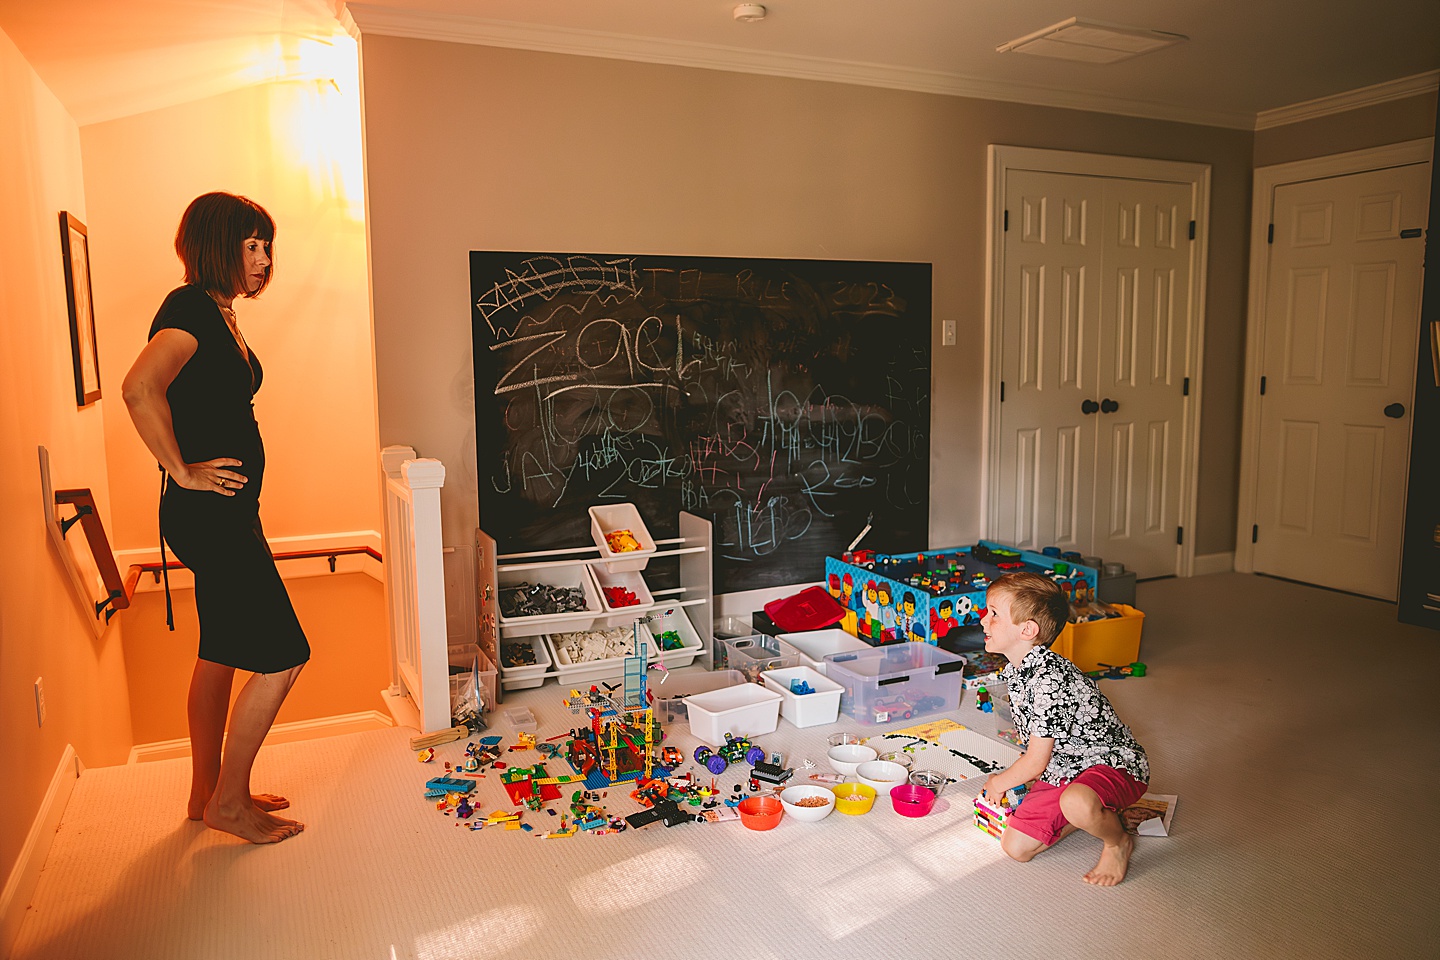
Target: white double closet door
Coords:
[(1095, 332)]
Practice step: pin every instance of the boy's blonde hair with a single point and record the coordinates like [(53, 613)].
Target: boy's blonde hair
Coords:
[(1034, 597)]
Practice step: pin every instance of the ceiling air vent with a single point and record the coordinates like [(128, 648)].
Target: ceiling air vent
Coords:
[(1091, 41)]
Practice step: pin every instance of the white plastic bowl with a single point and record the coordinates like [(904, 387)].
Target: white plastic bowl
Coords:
[(882, 775), (790, 795), (846, 757)]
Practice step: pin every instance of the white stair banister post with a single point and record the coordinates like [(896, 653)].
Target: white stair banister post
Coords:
[(425, 478), (415, 584)]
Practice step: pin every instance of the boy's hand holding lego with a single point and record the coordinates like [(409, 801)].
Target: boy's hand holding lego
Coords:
[(1031, 764)]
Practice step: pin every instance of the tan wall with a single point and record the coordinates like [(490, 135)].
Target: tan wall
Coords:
[(43, 628), (286, 146), (345, 622), (1392, 122), (478, 148)]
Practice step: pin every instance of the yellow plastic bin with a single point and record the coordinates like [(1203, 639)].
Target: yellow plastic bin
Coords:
[(1115, 641)]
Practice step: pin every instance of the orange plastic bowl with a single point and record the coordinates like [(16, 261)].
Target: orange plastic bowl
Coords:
[(761, 813)]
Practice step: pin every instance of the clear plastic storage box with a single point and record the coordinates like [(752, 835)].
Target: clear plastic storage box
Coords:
[(752, 656), (900, 681)]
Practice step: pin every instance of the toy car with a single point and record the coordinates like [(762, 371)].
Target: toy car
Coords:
[(929, 704), (892, 708), (734, 750)]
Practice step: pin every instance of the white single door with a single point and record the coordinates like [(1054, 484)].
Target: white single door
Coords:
[(1095, 327), (1048, 344), (1342, 318), (1144, 335)]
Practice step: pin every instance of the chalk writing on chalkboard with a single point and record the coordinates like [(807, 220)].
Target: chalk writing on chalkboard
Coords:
[(784, 400)]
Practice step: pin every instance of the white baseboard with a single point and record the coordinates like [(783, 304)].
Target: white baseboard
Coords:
[(1214, 563), (20, 885), (280, 733), (402, 708)]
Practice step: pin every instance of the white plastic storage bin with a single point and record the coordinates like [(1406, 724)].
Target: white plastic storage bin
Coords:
[(813, 646), (631, 580), (805, 709), (613, 668), (615, 517), (569, 575), (690, 643), (525, 677), (671, 689), (899, 681), (745, 710), (585, 671)]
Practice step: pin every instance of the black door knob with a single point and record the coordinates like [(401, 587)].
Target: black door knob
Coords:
[(1088, 406), (1395, 411), (1108, 406)]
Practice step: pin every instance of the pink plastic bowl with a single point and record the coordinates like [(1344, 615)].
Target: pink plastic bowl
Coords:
[(910, 800)]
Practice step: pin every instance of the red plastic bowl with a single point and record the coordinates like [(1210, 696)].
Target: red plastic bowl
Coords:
[(910, 800), (762, 813)]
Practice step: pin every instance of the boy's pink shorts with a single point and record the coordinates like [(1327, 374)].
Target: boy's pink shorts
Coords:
[(1039, 816)]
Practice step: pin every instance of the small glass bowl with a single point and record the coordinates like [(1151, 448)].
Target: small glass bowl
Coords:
[(840, 739)]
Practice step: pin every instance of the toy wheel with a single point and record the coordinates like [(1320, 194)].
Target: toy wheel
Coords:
[(906, 714), (754, 755), (701, 753), (716, 764)]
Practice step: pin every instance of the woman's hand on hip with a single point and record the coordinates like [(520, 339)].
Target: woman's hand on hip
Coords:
[(214, 476)]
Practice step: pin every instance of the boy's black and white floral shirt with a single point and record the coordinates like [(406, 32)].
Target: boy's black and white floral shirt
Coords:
[(1050, 697)]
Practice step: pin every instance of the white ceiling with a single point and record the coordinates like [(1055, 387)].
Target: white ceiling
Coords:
[(107, 58)]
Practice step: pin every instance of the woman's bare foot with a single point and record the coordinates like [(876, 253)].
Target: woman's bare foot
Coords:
[(1114, 860), (195, 809), (250, 824)]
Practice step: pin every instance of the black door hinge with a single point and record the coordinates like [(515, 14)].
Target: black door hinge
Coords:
[(1185, 390), (1007, 220), (1192, 229), (1002, 391), (1179, 535), (1255, 533), (1270, 236), (1262, 386)]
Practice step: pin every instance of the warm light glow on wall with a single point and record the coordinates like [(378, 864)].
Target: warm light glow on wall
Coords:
[(323, 126)]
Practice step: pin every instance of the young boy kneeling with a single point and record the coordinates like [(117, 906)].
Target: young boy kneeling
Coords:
[(1089, 764)]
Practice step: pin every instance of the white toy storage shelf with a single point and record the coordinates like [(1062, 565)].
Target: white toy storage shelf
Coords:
[(589, 567)]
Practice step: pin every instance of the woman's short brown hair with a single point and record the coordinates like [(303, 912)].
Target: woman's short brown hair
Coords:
[(211, 238), (1034, 597)]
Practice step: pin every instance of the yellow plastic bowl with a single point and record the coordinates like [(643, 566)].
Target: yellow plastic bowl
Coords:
[(853, 798)]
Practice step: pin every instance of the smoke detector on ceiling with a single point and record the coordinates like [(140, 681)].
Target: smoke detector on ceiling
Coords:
[(1091, 41), (749, 12)]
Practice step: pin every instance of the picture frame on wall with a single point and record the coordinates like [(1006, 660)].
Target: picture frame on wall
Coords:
[(75, 250)]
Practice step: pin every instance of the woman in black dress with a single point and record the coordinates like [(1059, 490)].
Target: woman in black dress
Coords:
[(189, 394)]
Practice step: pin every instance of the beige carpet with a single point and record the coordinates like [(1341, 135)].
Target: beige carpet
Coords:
[(1306, 773)]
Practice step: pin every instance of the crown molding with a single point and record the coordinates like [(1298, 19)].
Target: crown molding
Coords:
[(1420, 83), (370, 19)]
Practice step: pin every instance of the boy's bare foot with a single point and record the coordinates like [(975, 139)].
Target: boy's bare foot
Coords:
[(1114, 860), (195, 809), (250, 824)]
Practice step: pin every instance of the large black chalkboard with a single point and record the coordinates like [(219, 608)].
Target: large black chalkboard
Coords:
[(785, 400)]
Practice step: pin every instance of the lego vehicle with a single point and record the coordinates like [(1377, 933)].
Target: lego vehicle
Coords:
[(928, 704), (892, 708), (772, 773), (671, 757), (734, 750)]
